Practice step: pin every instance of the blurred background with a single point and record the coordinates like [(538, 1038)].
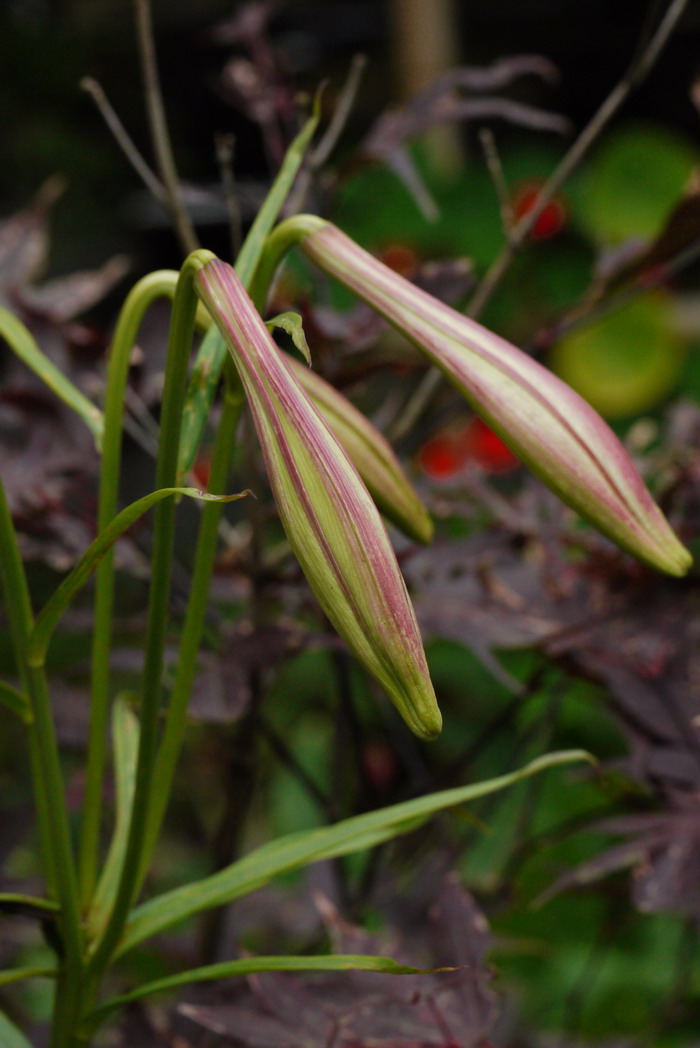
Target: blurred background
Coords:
[(50, 125), (225, 71), (539, 635)]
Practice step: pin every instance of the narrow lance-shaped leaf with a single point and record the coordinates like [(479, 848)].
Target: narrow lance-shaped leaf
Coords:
[(125, 741), (296, 850), (15, 700), (48, 618), (23, 344), (14, 975), (549, 426), (332, 524), (10, 1035), (28, 906), (291, 323), (253, 965)]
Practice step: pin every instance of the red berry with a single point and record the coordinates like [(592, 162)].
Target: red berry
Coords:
[(441, 457), (553, 217), (487, 448), (447, 453), (401, 258)]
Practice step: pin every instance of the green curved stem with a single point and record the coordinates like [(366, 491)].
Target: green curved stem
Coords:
[(156, 285), (282, 238), (253, 254), (179, 344), (191, 634), (50, 615), (212, 354)]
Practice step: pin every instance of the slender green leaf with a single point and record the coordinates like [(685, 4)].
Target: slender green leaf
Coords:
[(291, 323), (125, 737), (159, 284), (24, 346), (254, 244), (212, 352), (15, 700), (13, 975), (252, 965), (296, 850), (27, 905), (50, 614), (10, 1036)]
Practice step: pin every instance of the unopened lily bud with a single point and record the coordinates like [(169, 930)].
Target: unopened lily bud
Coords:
[(331, 522), (370, 453), (548, 426)]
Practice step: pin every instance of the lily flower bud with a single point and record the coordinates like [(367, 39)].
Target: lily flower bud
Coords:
[(370, 453), (548, 425), (332, 524)]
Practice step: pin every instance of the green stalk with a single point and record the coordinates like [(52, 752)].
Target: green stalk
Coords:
[(205, 553), (48, 782), (224, 449), (213, 354), (179, 344), (282, 238), (21, 622), (143, 294), (191, 634)]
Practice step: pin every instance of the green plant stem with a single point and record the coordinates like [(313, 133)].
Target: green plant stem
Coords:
[(191, 635), (48, 781), (143, 294), (179, 344), (213, 354), (205, 553), (282, 238)]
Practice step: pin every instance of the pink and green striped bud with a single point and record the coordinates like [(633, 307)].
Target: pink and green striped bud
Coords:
[(332, 524), (370, 453), (548, 426)]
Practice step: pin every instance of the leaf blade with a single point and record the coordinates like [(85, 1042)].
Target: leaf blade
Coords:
[(292, 324), (125, 735), (10, 1035), (15, 700), (13, 975), (52, 611), (28, 905), (254, 965), (25, 347), (300, 849)]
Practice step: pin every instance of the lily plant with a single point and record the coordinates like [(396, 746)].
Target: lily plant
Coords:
[(332, 476)]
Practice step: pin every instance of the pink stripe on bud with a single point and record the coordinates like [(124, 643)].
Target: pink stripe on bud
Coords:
[(332, 524), (549, 426), (369, 452)]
